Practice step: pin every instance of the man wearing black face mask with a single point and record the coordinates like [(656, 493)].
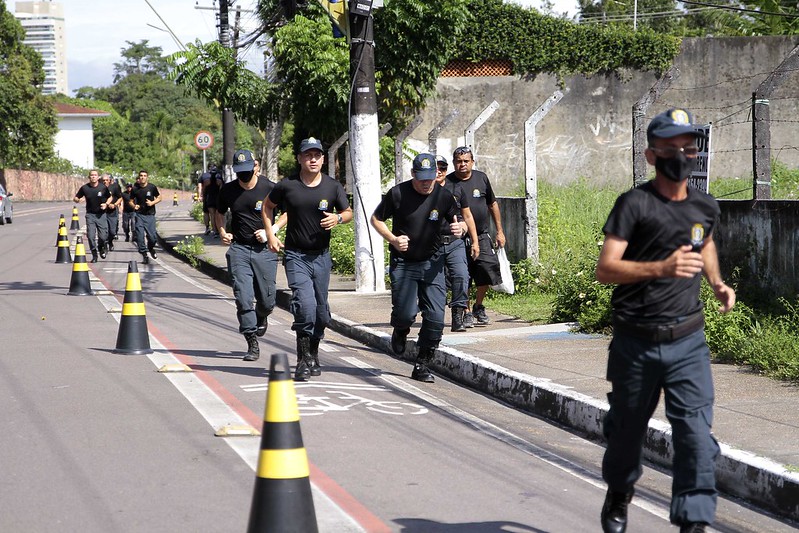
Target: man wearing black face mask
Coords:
[(252, 265), (658, 239)]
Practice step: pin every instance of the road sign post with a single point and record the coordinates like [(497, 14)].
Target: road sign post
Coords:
[(203, 141)]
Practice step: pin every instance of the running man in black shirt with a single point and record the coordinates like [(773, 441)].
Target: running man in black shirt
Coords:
[(417, 208), (98, 198), (314, 203), (252, 265), (112, 210), (658, 240), (144, 199)]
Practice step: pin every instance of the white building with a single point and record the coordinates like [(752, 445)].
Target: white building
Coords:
[(43, 22), (75, 138)]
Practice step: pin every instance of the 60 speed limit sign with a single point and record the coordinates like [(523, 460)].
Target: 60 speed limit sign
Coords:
[(203, 140)]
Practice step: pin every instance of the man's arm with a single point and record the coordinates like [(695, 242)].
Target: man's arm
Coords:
[(611, 268), (267, 212), (712, 273), (400, 243), (494, 208), (468, 219)]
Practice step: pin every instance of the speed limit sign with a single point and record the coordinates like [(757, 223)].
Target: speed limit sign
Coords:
[(203, 140)]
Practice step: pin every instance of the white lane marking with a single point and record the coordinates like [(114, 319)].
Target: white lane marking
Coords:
[(330, 517), (507, 437)]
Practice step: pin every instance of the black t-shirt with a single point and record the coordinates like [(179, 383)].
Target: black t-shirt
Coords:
[(94, 197), (456, 191), (116, 194), (142, 193), (211, 192), (245, 207), (306, 206), (418, 216), (477, 195), (126, 208), (654, 227)]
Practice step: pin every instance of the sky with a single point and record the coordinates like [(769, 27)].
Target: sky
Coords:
[(97, 31)]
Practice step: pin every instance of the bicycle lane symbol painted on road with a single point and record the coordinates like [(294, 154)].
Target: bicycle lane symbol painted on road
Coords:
[(326, 397)]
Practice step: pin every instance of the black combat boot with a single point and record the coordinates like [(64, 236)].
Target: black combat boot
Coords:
[(420, 370), (253, 351), (316, 370), (398, 338), (263, 324), (614, 511), (457, 319), (304, 359), (693, 527)]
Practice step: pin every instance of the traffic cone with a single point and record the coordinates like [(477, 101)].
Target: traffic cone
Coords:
[(282, 499), (75, 220), (62, 256), (60, 223), (132, 337), (79, 285)]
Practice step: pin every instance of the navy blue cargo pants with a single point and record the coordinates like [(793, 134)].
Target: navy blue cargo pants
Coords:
[(308, 276), (419, 286), (96, 230), (253, 268), (639, 370), (456, 271)]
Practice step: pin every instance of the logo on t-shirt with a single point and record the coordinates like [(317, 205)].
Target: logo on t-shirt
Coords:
[(258, 205), (476, 193), (433, 215), (323, 205), (697, 234), (99, 193)]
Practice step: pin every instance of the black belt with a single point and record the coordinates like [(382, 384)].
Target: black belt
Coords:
[(660, 332), (449, 239), (318, 251)]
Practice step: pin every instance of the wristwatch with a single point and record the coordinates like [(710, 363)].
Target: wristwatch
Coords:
[(340, 219)]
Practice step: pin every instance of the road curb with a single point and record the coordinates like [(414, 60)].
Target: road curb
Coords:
[(752, 478)]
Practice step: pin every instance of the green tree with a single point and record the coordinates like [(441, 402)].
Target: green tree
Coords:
[(28, 119), (140, 58)]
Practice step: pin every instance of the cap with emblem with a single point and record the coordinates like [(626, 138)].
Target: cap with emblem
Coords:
[(243, 161), (441, 161), (424, 167), (311, 143), (672, 123)]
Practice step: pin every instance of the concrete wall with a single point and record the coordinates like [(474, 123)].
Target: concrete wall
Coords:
[(762, 239), (33, 186), (589, 133)]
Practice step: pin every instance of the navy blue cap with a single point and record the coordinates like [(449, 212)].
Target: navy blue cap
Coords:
[(311, 143), (672, 123), (243, 161), (424, 167)]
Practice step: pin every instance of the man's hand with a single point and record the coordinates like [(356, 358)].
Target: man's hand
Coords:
[(329, 220), (274, 243), (260, 235), (725, 295), (456, 228), (683, 263), (475, 250), (401, 243), (500, 239), (226, 237)]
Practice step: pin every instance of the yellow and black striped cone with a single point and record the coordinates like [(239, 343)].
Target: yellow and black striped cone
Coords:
[(62, 256), (75, 220), (133, 337), (282, 499), (80, 285), (60, 224)]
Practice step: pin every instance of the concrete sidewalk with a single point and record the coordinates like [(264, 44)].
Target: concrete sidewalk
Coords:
[(551, 372)]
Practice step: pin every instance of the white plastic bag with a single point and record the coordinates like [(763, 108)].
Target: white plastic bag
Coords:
[(507, 278)]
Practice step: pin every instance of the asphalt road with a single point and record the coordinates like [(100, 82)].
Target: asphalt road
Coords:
[(94, 441)]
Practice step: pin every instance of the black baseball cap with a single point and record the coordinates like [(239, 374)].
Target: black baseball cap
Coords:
[(672, 123), (424, 167), (441, 161), (243, 161), (311, 143)]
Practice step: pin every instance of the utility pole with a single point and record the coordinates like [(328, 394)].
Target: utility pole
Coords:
[(365, 148), (228, 128)]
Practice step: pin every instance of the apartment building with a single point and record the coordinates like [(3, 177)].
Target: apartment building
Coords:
[(43, 21)]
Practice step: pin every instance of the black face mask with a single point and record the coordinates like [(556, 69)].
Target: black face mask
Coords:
[(675, 168), (245, 177)]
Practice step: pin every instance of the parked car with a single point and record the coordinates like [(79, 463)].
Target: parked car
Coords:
[(6, 207)]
